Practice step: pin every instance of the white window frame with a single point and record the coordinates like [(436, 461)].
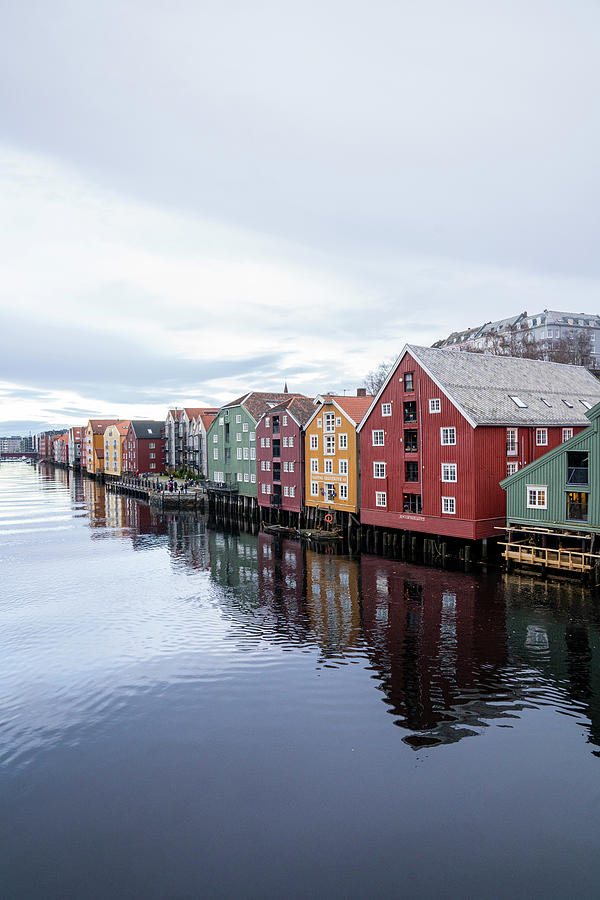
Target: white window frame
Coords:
[(246, 453), (379, 470), (239, 452), (375, 435), (448, 506), (329, 420), (245, 426), (533, 496), (338, 421), (314, 466), (448, 436), (512, 441), (252, 452), (314, 442), (343, 491), (343, 467), (329, 449), (511, 468), (284, 420), (343, 441), (435, 405), (449, 472), (215, 453), (386, 409), (381, 498), (328, 467), (314, 489), (238, 419), (567, 434), (541, 437)]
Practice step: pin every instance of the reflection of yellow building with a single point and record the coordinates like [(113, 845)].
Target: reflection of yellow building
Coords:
[(93, 449), (114, 439), (115, 510), (332, 599), (331, 453)]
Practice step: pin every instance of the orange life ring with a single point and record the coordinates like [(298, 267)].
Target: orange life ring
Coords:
[(328, 518)]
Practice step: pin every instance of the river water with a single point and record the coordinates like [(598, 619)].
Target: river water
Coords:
[(190, 713)]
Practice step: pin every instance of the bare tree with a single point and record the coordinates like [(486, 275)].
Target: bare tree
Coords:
[(375, 378)]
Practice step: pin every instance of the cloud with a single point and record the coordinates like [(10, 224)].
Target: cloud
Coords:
[(201, 203)]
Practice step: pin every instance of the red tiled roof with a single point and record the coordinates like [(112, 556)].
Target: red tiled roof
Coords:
[(208, 417), (100, 425), (354, 407)]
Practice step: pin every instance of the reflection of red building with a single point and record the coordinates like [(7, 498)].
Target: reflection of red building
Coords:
[(435, 637), (282, 580)]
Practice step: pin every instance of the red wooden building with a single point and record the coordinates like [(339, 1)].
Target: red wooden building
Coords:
[(280, 454), (144, 447), (447, 426)]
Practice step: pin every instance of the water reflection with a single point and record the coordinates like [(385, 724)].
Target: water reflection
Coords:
[(450, 653)]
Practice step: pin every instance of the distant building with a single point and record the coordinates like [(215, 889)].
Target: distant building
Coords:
[(94, 444), (114, 438), (10, 444), (76, 439), (144, 447), (546, 328)]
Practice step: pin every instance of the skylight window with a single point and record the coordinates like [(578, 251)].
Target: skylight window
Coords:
[(518, 402), (568, 403), (586, 404), (547, 402)]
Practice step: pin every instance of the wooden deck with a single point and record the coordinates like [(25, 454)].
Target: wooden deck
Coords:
[(575, 561)]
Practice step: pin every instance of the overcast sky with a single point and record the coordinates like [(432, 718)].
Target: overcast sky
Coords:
[(198, 198)]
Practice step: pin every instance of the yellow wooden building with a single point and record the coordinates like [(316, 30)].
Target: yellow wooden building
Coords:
[(114, 439), (93, 451), (331, 453)]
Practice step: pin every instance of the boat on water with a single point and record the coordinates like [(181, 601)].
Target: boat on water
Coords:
[(282, 530), (321, 534)]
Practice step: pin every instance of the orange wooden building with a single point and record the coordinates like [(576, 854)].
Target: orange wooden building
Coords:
[(331, 452)]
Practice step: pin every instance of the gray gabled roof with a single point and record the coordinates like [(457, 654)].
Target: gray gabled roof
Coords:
[(147, 428), (481, 387)]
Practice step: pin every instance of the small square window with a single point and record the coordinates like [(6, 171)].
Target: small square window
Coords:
[(380, 498), (448, 436), (541, 437), (378, 438), (435, 405), (386, 409), (378, 470)]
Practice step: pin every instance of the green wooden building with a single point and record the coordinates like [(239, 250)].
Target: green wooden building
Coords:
[(553, 504), (231, 441)]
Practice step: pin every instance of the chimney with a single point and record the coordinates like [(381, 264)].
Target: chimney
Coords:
[(361, 392)]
